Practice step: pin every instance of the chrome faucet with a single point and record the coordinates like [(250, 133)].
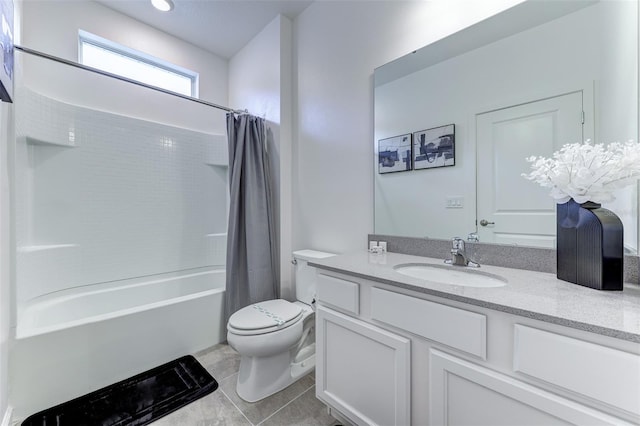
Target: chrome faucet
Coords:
[(459, 255)]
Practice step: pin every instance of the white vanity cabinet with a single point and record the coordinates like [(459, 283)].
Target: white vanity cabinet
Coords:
[(362, 370), (388, 355)]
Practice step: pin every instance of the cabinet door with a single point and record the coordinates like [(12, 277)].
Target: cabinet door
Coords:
[(463, 393), (361, 370)]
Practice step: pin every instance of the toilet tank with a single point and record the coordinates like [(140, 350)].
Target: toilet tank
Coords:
[(306, 275)]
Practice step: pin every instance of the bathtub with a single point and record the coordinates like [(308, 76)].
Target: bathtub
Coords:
[(75, 341)]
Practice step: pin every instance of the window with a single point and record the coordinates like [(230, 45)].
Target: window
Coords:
[(108, 56)]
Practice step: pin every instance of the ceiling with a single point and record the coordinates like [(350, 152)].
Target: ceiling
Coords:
[(222, 27)]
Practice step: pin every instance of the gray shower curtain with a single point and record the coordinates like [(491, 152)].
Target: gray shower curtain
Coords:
[(252, 255)]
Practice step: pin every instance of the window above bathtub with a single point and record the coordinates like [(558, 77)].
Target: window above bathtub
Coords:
[(106, 55)]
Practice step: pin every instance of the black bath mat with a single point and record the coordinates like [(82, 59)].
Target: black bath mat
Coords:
[(136, 401)]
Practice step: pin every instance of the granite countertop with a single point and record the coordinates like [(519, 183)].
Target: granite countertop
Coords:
[(531, 294)]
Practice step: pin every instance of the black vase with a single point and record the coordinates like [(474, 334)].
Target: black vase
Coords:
[(589, 246)]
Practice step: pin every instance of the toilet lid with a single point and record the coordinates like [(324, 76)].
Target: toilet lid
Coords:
[(271, 313)]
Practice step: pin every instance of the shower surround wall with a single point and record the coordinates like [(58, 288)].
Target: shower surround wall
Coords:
[(54, 366), (120, 246), (105, 197)]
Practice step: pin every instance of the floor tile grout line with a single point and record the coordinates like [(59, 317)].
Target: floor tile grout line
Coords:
[(279, 409), (225, 377), (237, 408)]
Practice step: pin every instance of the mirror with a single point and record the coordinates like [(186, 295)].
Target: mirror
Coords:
[(524, 82)]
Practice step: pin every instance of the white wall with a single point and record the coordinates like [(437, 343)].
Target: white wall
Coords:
[(52, 27), (260, 81), (337, 45)]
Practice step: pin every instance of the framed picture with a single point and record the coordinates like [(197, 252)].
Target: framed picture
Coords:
[(394, 154), (6, 55), (434, 147)]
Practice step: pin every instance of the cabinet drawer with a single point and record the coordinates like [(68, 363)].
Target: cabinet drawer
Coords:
[(338, 293), (457, 328), (605, 374)]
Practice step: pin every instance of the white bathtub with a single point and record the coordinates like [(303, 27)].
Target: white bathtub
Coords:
[(73, 342), (83, 305)]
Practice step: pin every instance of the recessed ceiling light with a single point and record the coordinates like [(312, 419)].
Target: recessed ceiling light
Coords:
[(163, 5)]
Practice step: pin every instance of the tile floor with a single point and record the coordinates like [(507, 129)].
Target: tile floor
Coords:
[(295, 405)]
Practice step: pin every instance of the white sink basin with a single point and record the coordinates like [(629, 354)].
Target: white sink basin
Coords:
[(453, 275)]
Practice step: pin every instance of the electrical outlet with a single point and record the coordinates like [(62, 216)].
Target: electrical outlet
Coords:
[(454, 202)]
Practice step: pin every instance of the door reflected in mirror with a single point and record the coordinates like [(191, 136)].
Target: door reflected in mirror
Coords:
[(554, 77)]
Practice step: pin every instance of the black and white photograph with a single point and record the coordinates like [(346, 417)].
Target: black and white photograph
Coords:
[(434, 147), (394, 154)]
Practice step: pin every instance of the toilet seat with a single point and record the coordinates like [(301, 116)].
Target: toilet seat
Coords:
[(264, 317)]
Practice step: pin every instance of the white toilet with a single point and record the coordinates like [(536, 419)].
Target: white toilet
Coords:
[(276, 338)]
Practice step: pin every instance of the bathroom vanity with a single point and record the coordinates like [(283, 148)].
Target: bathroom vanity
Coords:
[(501, 347)]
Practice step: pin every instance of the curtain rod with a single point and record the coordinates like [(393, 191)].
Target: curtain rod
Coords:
[(128, 80)]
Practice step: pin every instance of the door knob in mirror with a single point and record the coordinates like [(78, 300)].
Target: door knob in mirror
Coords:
[(485, 222)]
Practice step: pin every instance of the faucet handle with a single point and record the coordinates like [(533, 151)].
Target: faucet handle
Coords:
[(473, 236), (457, 243)]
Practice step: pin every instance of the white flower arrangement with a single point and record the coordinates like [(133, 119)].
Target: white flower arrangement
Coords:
[(587, 172)]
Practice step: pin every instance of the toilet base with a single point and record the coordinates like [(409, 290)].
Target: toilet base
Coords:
[(260, 377)]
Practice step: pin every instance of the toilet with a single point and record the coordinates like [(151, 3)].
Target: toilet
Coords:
[(276, 338)]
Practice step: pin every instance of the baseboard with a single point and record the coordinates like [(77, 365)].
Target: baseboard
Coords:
[(6, 420)]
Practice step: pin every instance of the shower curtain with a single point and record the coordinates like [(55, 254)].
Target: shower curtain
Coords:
[(252, 255)]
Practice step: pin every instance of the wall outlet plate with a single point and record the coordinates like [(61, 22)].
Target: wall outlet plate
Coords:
[(454, 202)]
